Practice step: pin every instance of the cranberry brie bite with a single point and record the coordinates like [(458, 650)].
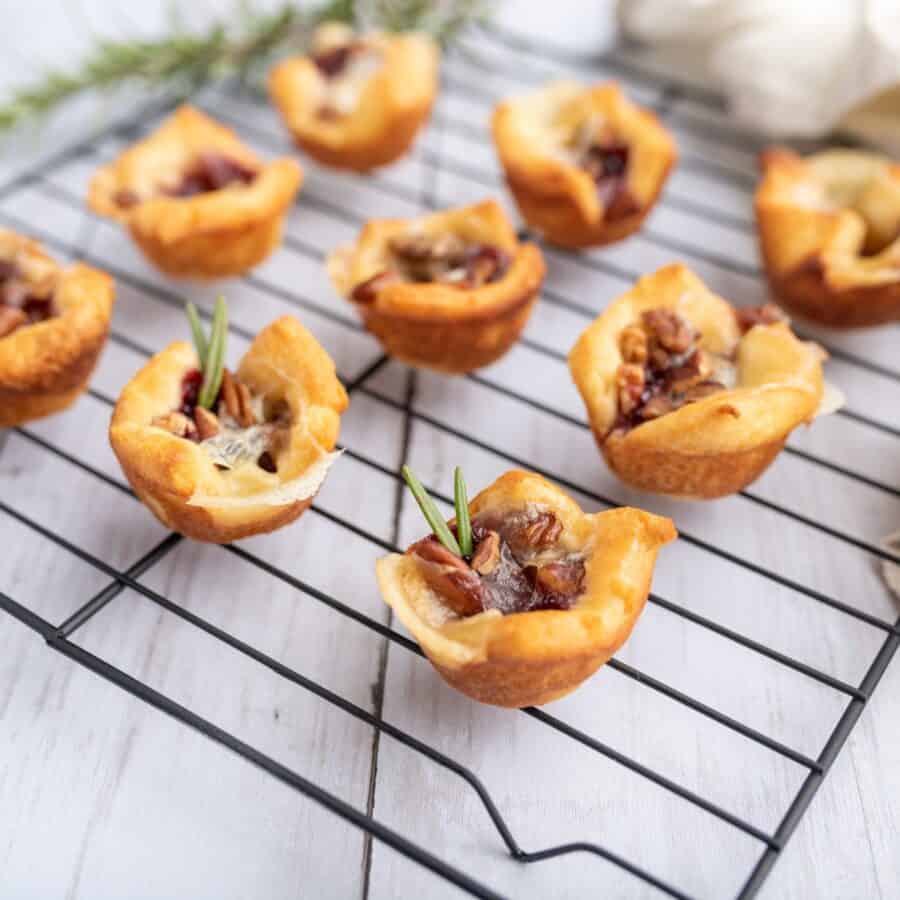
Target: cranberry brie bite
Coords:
[(829, 228), (357, 101), (197, 202), (218, 455), (688, 396), (522, 596), (583, 163), (450, 292), (53, 325)]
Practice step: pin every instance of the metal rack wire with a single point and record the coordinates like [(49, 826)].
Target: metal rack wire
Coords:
[(59, 635)]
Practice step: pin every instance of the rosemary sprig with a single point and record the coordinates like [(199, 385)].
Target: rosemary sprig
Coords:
[(215, 356), (431, 512), (239, 44), (463, 522), (197, 332), (211, 353)]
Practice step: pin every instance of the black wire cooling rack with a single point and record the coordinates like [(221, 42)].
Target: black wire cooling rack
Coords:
[(521, 65)]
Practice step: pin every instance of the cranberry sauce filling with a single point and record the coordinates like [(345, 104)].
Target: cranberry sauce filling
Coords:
[(607, 164), (211, 172), (190, 392), (504, 572), (663, 369), (18, 306), (331, 63), (437, 259)]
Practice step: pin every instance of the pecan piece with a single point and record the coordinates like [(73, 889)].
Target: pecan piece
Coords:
[(630, 385), (694, 369), (207, 423), (484, 265), (671, 330), (542, 531), (236, 397), (767, 314), (703, 389), (486, 557), (366, 291), (633, 344), (10, 320), (176, 423), (561, 582), (450, 576), (657, 406)]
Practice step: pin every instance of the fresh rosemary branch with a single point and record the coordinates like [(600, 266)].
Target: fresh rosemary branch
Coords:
[(463, 522), (211, 353), (431, 512), (238, 45)]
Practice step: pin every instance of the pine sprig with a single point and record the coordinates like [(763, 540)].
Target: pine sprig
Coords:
[(236, 46)]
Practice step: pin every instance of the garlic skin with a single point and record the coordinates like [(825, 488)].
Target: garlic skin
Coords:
[(796, 69)]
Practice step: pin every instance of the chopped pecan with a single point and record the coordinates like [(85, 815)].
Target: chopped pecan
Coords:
[(694, 369), (633, 344), (487, 554), (630, 384), (10, 320), (561, 581), (366, 291), (207, 423), (176, 423), (236, 397), (657, 406), (484, 265), (542, 531), (671, 330), (767, 314), (450, 576), (421, 247), (703, 389)]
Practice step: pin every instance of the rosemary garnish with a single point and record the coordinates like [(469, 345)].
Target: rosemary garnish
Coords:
[(463, 522), (240, 44), (211, 353), (431, 512)]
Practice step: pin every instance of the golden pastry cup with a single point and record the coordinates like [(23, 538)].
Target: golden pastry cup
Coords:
[(829, 229), (178, 481), (393, 104), (437, 326), (45, 366), (212, 235), (532, 658), (715, 446), (557, 197)]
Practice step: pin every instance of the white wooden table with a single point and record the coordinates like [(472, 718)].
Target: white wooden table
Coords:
[(102, 796)]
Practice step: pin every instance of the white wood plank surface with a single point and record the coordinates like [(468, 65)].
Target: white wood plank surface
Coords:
[(104, 797)]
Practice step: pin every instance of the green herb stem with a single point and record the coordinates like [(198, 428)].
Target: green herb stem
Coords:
[(197, 333), (240, 44), (213, 369), (431, 512), (463, 522)]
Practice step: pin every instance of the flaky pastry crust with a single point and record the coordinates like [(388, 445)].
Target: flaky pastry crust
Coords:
[(717, 445), (46, 365), (210, 235), (555, 195), (392, 105), (439, 326), (829, 228), (177, 479), (532, 658)]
